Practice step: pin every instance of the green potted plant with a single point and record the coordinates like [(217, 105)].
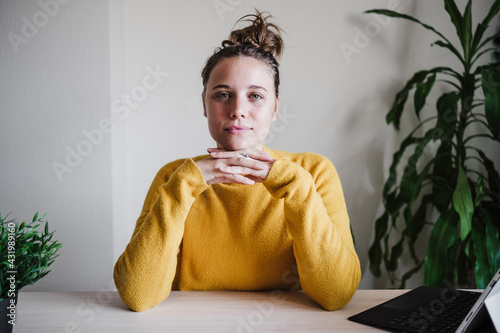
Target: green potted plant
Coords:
[(455, 193), (25, 258)]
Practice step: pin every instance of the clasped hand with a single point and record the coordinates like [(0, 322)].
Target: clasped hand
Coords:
[(226, 166)]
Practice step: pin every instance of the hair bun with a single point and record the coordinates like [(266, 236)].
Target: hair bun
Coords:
[(260, 34)]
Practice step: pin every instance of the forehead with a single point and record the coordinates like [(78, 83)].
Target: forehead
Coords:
[(242, 71)]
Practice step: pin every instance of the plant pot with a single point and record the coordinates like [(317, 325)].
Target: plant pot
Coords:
[(8, 314)]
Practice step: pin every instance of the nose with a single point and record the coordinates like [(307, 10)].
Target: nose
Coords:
[(237, 109)]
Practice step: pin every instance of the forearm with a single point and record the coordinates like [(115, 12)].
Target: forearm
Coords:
[(317, 221), (144, 272), (328, 266)]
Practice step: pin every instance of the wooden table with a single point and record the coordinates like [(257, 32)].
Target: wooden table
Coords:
[(190, 311)]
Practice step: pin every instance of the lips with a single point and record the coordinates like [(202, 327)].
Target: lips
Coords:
[(237, 129)]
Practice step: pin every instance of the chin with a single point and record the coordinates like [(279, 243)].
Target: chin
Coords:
[(236, 145), (233, 147)]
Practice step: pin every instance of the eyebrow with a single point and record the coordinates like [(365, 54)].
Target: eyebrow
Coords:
[(225, 86)]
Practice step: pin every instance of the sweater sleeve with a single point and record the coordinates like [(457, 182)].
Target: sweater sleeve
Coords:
[(145, 271), (317, 220)]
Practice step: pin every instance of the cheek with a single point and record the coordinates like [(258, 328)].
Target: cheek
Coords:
[(265, 122), (212, 111), (268, 117)]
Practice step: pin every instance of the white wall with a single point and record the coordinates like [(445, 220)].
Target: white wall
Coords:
[(83, 63), (53, 86)]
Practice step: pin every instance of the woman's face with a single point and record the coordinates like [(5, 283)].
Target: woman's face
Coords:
[(240, 103)]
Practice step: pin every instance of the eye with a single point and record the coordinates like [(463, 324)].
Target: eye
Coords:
[(222, 95), (255, 97)]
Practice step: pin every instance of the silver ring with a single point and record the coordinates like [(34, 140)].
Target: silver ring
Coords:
[(245, 155)]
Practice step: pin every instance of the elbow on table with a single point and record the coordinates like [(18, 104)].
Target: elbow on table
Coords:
[(337, 302), (135, 305), (136, 301), (131, 295), (339, 295)]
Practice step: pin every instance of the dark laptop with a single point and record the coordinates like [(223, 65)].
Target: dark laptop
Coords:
[(432, 309)]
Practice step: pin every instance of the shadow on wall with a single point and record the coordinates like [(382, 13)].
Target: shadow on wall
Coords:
[(363, 169), (371, 141)]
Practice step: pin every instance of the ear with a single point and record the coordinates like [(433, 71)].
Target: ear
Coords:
[(203, 101), (275, 112)]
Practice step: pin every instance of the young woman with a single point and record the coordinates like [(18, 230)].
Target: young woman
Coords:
[(242, 217)]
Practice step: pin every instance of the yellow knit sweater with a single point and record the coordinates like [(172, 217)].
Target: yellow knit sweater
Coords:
[(194, 236)]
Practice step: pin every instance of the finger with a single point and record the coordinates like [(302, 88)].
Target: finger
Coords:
[(243, 180), (230, 178), (244, 163), (259, 155), (212, 149), (222, 154), (239, 170), (252, 155), (255, 179)]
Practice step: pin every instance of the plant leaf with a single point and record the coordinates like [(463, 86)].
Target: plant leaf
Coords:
[(465, 31), (437, 259), (421, 93), (494, 9), (479, 69), (481, 267), (408, 141), (451, 48), (396, 110), (393, 204), (409, 274), (491, 87), (391, 13), (411, 181), (462, 202), (489, 50), (455, 17), (442, 191), (480, 195), (417, 224), (492, 244), (478, 36), (375, 252), (396, 252), (447, 110), (493, 175), (394, 114), (481, 27)]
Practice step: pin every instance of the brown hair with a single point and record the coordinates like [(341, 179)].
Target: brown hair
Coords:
[(260, 40)]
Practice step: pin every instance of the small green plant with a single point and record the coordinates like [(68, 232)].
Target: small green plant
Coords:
[(26, 253), (456, 191)]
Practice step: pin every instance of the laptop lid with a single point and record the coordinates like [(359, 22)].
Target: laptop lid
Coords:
[(382, 314), (478, 314)]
